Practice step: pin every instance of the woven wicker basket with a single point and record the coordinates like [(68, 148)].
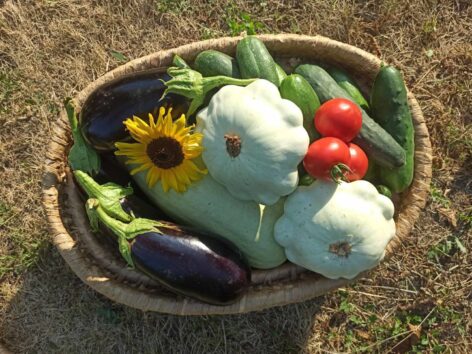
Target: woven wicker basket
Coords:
[(100, 267)]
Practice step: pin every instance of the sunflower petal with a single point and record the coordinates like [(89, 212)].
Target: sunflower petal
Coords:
[(138, 169), (155, 175), (172, 180), (164, 180)]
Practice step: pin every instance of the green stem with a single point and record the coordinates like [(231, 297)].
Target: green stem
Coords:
[(338, 172), (109, 195), (90, 187), (196, 102), (209, 83), (120, 230), (116, 226), (71, 114)]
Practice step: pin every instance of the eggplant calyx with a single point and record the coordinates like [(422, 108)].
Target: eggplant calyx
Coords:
[(191, 84), (124, 232), (108, 195), (179, 62), (90, 207)]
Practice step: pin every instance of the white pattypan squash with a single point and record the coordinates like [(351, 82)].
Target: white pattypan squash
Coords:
[(253, 141), (336, 230)]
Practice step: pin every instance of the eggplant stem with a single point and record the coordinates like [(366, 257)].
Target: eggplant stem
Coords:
[(209, 83), (109, 195), (117, 227), (191, 84), (91, 187)]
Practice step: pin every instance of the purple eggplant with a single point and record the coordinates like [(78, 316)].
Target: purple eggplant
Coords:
[(192, 263), (184, 260), (103, 113), (112, 170)]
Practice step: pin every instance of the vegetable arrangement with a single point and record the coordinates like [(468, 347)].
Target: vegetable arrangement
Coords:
[(255, 163)]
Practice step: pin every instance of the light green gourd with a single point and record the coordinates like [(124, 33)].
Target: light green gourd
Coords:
[(208, 205)]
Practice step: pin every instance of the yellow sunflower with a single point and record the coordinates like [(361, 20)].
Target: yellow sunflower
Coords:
[(165, 149)]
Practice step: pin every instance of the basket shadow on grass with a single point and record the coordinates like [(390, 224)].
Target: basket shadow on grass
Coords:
[(79, 320)]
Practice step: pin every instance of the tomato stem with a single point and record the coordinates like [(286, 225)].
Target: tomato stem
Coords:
[(338, 172)]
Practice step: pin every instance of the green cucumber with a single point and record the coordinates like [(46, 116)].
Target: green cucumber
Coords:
[(384, 190), (306, 180), (373, 139), (371, 174), (255, 61), (214, 63), (348, 85), (280, 72), (389, 103), (296, 89)]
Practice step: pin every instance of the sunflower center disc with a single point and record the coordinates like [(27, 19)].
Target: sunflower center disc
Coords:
[(165, 152), (233, 144), (342, 249)]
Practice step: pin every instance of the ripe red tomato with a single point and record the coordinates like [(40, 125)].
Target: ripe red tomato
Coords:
[(339, 118), (325, 159), (358, 163)]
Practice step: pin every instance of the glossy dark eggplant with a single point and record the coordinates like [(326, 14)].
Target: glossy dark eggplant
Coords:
[(112, 170), (104, 111), (192, 263)]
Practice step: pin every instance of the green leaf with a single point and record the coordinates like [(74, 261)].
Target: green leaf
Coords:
[(81, 155), (119, 56), (345, 306), (356, 320)]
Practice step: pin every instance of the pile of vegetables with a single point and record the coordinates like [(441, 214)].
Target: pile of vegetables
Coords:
[(228, 164)]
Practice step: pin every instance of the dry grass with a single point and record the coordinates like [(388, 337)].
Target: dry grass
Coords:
[(419, 300)]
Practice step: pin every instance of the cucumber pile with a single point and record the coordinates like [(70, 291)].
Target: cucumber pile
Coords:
[(387, 134)]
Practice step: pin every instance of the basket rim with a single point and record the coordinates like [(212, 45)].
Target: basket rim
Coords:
[(299, 285)]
